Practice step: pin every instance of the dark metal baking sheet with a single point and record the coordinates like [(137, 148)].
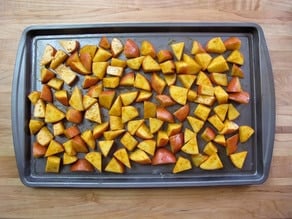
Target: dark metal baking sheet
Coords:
[(260, 113)]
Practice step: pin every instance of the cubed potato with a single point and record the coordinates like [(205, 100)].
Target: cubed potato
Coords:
[(129, 141), (149, 146), (82, 165), (182, 164), (105, 146), (147, 49), (155, 125), (157, 83), (54, 148), (139, 156), (202, 112), (191, 146), (95, 159), (213, 162), (215, 45), (178, 94), (115, 166), (123, 156), (53, 164), (216, 122), (238, 159), (178, 49), (53, 114), (245, 132)]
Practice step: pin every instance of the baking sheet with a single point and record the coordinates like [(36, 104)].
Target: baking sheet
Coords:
[(259, 113)]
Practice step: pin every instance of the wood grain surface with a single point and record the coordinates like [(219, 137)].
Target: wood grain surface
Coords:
[(273, 199)]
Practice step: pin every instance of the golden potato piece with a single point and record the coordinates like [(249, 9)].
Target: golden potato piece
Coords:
[(150, 65), (221, 111), (116, 108), (202, 112), (135, 63), (34, 96), (54, 148), (216, 122), (197, 48), (178, 49), (122, 155), (115, 166), (238, 159), (99, 129), (187, 80), (218, 64), (212, 163), (58, 59), (129, 97), (148, 146), (106, 98), (198, 159), (116, 47), (203, 59), (193, 66), (215, 45), (236, 57), (35, 125), (141, 82), (147, 49), (140, 157), (53, 114), (53, 164), (87, 136), (195, 123), (129, 141), (105, 146), (69, 159), (69, 45), (144, 132), (191, 146), (99, 69), (95, 159), (210, 148), (111, 135), (66, 74), (155, 125), (149, 109), (76, 99), (245, 132), (133, 125), (48, 55), (178, 94), (129, 113), (93, 113), (182, 164), (116, 123), (102, 55)]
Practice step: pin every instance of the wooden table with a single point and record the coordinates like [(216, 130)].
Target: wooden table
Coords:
[(271, 200)]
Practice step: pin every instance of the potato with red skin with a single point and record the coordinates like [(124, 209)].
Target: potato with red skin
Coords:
[(240, 97), (38, 150), (131, 49), (231, 144), (234, 85), (232, 43), (164, 115), (163, 156), (82, 165), (164, 100), (176, 142), (182, 113), (73, 115)]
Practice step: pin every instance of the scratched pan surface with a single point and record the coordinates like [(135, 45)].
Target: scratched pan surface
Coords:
[(259, 113)]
